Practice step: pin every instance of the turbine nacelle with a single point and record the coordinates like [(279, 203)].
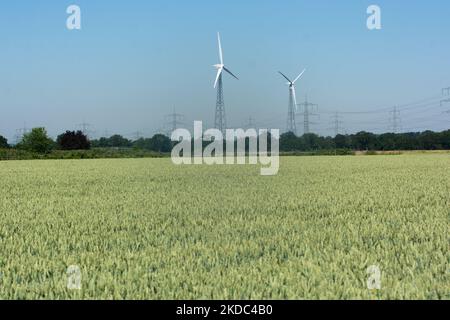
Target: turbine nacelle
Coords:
[(291, 85)]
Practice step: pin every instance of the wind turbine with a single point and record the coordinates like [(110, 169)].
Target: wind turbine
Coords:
[(291, 125), (220, 120)]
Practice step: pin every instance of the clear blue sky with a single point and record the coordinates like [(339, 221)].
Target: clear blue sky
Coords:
[(133, 61)]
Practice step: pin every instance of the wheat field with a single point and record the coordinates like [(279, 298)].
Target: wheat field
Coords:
[(146, 229)]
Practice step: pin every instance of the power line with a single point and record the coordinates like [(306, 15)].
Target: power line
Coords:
[(407, 106), (85, 129), (162, 131), (337, 123), (307, 113), (250, 123), (106, 134), (396, 120), (137, 135), (396, 114), (445, 93), (20, 133), (174, 121)]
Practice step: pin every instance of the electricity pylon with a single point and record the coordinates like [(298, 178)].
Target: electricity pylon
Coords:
[(308, 111)]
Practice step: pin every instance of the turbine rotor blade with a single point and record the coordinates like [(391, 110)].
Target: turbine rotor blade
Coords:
[(285, 76), (230, 73), (299, 76), (219, 73), (220, 48)]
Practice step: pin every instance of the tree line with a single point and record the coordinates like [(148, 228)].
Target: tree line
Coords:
[(38, 141), (367, 141)]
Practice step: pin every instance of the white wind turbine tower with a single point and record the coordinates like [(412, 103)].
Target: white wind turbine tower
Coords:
[(220, 120), (291, 125)]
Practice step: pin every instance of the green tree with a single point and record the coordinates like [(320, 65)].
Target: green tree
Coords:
[(143, 144), (161, 143), (36, 141), (365, 141), (429, 140), (387, 142), (407, 141), (117, 141), (311, 141), (100, 143), (341, 142), (3, 143), (289, 142), (445, 139)]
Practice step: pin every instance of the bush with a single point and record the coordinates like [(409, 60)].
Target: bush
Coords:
[(36, 141), (71, 140)]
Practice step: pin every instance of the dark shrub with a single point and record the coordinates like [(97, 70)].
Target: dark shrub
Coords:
[(72, 140)]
